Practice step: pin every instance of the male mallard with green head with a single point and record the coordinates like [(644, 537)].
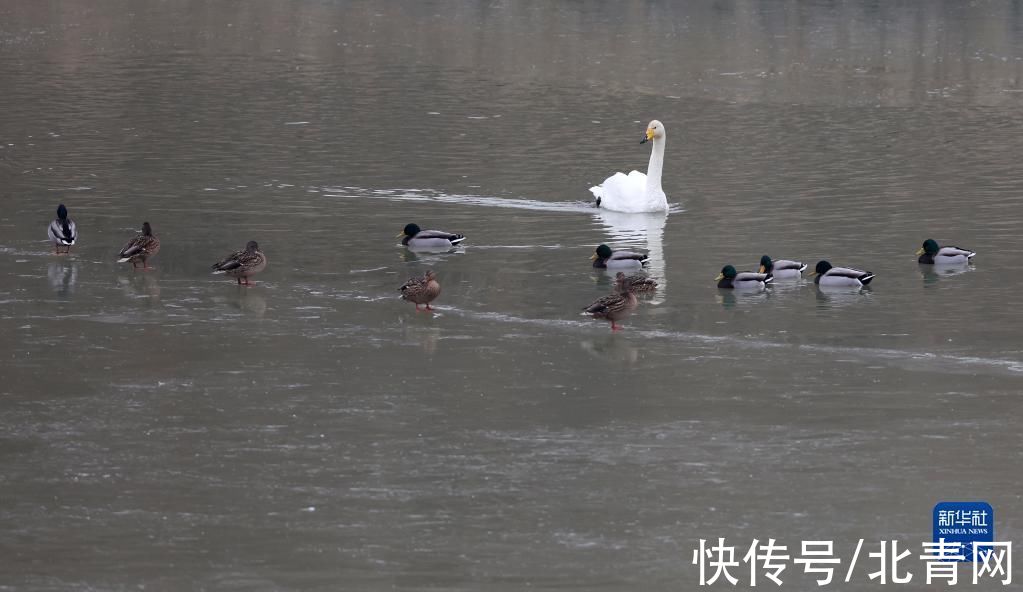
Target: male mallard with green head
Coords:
[(828, 275), (782, 269), (931, 254), (62, 231), (416, 238), (743, 280), (604, 258)]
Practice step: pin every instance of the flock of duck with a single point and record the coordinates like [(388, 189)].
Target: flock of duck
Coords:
[(63, 233), (633, 193), (639, 193)]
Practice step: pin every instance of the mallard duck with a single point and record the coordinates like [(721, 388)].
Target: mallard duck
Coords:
[(421, 290), (242, 264), (931, 254), (62, 231), (604, 258), (637, 192), (415, 237), (826, 275), (745, 280), (140, 248), (637, 282), (782, 269), (614, 307)]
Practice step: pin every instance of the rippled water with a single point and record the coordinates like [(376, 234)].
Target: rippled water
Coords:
[(171, 430)]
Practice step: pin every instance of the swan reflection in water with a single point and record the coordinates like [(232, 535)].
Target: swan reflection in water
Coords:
[(640, 231), (63, 276)]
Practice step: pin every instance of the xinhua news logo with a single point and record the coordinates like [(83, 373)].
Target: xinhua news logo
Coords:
[(968, 523)]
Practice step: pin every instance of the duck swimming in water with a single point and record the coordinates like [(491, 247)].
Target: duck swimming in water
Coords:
[(745, 280), (828, 275), (931, 254), (782, 269), (604, 258), (415, 237)]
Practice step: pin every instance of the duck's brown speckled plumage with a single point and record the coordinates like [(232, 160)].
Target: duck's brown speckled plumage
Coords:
[(421, 290), (140, 248), (616, 306), (242, 264), (638, 283)]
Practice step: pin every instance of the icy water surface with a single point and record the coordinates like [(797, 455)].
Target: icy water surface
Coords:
[(170, 430)]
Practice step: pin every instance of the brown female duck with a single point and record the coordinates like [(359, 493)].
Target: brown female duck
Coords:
[(614, 307), (140, 248), (421, 290), (242, 264)]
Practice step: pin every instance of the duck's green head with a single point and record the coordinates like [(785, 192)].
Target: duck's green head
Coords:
[(930, 247), (61, 212), (602, 252), (410, 230), (766, 265), (727, 272), (822, 268)]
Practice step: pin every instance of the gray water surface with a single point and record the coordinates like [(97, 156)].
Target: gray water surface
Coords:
[(170, 430)]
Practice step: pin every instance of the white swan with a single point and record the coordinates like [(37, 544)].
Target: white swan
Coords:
[(637, 192)]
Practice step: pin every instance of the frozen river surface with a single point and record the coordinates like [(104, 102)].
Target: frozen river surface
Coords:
[(170, 430)]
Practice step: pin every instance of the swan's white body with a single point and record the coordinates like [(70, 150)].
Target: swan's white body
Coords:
[(637, 192)]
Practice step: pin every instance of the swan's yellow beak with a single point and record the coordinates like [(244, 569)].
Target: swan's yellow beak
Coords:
[(762, 269), (919, 251), (649, 136), (720, 277), (593, 257), (400, 234)]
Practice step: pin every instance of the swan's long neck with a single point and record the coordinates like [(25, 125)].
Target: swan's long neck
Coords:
[(653, 171)]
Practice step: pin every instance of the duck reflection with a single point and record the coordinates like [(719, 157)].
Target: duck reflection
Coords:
[(63, 276), (838, 296), (645, 231), (749, 296), (249, 300), (932, 274), (612, 349), (429, 256), (427, 337), (141, 285)]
